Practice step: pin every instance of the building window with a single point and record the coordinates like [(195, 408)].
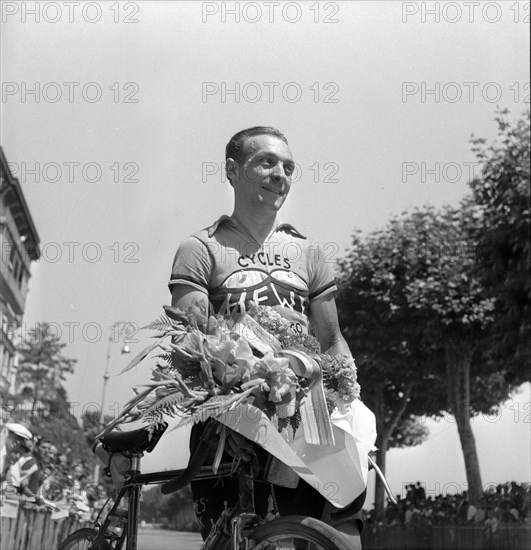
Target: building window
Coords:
[(11, 253), (7, 246)]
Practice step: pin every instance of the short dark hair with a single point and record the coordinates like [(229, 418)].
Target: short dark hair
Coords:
[(234, 148)]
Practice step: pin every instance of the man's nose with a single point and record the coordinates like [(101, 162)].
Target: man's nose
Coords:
[(279, 172)]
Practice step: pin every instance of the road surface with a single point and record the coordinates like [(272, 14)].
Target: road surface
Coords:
[(163, 539)]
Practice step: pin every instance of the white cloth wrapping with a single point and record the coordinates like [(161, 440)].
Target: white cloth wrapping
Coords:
[(338, 472)]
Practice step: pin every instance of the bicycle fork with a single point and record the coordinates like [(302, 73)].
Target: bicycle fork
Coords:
[(238, 525)]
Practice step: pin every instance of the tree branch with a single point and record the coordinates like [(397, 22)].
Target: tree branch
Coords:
[(399, 412)]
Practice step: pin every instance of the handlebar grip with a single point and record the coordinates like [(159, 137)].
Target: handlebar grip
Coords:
[(195, 463)]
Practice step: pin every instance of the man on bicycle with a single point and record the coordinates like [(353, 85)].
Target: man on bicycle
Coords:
[(252, 256)]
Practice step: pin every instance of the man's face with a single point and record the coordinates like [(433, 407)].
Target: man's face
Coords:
[(264, 178), (14, 443)]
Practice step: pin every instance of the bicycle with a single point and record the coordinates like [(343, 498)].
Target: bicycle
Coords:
[(237, 528)]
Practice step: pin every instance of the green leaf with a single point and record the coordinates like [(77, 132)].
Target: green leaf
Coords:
[(143, 354)]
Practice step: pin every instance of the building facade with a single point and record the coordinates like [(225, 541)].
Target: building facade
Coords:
[(19, 244)]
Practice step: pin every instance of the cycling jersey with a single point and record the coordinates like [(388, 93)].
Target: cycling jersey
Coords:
[(226, 262)]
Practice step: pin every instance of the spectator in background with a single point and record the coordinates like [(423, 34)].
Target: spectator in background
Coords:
[(420, 493), (481, 512), (77, 494), (492, 521), (410, 511), (462, 511), (25, 474), (471, 512), (12, 437), (508, 513), (392, 512), (517, 494), (507, 503), (52, 483)]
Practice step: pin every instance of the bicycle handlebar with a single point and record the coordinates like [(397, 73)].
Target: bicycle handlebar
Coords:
[(384, 481)]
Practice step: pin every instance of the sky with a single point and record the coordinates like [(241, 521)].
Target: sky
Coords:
[(115, 117)]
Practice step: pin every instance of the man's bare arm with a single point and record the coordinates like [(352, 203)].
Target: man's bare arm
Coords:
[(187, 298), (324, 321)]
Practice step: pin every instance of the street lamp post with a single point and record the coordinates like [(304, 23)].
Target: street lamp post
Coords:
[(106, 376)]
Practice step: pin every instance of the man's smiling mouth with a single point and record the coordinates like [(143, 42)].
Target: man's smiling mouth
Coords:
[(272, 190)]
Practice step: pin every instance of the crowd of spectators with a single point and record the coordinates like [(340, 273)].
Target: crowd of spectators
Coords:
[(34, 470), (505, 503)]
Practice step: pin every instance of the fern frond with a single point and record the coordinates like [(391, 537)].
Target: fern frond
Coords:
[(169, 401), (215, 406), (166, 356), (154, 419)]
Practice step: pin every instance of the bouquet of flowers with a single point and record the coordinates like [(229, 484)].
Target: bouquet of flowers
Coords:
[(254, 357)]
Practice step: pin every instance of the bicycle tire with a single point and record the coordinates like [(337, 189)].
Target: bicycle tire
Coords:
[(82, 540), (298, 532)]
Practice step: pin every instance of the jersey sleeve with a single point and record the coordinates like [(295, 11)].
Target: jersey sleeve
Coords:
[(321, 275), (192, 265)]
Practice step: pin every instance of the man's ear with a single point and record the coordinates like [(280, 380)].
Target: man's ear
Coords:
[(231, 169)]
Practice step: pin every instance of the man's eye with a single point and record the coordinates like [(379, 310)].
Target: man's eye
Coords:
[(288, 170)]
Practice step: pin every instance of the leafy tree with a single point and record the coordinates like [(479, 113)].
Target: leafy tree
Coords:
[(458, 316), (422, 273), (43, 400), (92, 424), (64, 432), (440, 300), (382, 331), (503, 193), (42, 369)]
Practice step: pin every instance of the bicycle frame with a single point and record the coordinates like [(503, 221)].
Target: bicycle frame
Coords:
[(234, 524), (132, 489)]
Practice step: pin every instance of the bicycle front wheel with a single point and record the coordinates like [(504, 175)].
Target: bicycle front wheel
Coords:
[(83, 540), (299, 533)]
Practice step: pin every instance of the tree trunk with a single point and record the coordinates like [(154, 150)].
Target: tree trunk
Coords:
[(382, 443), (385, 427), (458, 359)]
